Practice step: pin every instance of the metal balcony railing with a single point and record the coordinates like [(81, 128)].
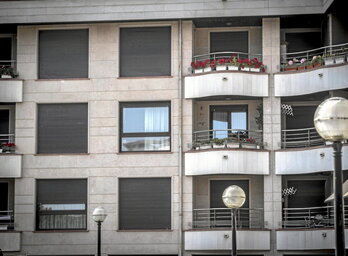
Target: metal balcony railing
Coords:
[(226, 55), (4, 138), (8, 63), (311, 217), (247, 218), (300, 138), (339, 51), (229, 138), (6, 220)]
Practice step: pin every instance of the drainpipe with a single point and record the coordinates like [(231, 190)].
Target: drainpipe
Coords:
[(180, 161)]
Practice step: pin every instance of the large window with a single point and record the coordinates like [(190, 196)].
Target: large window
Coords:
[(62, 128), (63, 54), (224, 118), (6, 204), (236, 41), (61, 204), (145, 51), (145, 126), (145, 203)]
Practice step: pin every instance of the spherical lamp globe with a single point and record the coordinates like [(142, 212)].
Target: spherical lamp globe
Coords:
[(233, 197), (99, 214)]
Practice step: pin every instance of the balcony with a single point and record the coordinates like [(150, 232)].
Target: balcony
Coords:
[(308, 229), (301, 138), (317, 70), (6, 220), (227, 152), (226, 73), (10, 241), (11, 89), (10, 162)]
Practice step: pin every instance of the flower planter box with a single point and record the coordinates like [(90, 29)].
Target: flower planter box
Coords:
[(197, 71), (219, 146), (232, 145), (220, 67), (316, 65), (301, 67), (340, 60), (253, 146), (6, 76), (208, 69), (245, 69), (230, 67), (206, 146), (255, 70), (329, 61), (309, 67), (290, 68)]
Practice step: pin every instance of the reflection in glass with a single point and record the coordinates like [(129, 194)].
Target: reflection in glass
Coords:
[(146, 144)]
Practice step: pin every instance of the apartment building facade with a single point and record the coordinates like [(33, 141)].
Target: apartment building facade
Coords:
[(151, 109)]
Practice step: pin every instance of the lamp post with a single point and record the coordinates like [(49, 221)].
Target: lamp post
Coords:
[(233, 197), (331, 122), (99, 215)]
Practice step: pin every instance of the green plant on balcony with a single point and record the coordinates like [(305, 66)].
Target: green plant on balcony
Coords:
[(8, 147), (317, 61), (7, 72)]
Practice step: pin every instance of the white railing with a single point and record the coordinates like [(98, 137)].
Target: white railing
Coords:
[(229, 138), (300, 138), (226, 55), (247, 218), (6, 220), (7, 138), (311, 217), (328, 55)]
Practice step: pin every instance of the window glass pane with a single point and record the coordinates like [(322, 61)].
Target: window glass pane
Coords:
[(146, 144), (6, 51), (220, 122), (145, 51), (62, 207), (147, 119), (63, 53), (239, 120), (4, 196), (4, 122), (62, 221)]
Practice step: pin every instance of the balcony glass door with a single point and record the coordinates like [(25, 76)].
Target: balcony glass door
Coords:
[(4, 125), (228, 117)]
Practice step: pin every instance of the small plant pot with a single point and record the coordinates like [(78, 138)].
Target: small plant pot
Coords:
[(245, 69), (255, 69), (309, 67), (301, 67), (208, 69), (206, 146), (316, 65), (249, 146), (219, 146), (220, 67), (290, 68), (232, 145), (339, 60), (0, 150), (234, 68), (329, 61), (197, 71), (6, 76)]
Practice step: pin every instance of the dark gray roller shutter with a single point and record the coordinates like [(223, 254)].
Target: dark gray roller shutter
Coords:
[(63, 53), (62, 128), (145, 203), (229, 42), (62, 191), (298, 42), (310, 193), (303, 117), (217, 187), (145, 51)]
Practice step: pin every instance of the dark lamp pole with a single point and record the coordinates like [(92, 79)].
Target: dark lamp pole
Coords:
[(99, 215)]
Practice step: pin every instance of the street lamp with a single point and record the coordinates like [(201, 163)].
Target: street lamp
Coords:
[(233, 197), (99, 215), (331, 122)]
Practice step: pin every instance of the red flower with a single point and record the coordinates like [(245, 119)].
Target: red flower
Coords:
[(9, 144)]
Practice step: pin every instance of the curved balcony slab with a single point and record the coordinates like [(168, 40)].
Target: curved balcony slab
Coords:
[(236, 161), (307, 239), (226, 83), (306, 82), (308, 160), (218, 240), (11, 90), (10, 165), (10, 241)]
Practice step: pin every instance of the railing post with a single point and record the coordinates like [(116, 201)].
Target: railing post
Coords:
[(284, 138), (309, 137)]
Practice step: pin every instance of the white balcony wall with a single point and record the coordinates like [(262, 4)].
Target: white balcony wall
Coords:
[(10, 241), (306, 82), (226, 83), (11, 90), (308, 160), (227, 162), (307, 239), (10, 166), (221, 240)]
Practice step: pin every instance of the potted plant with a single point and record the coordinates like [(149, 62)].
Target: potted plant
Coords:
[(209, 65), (233, 63), (245, 65), (218, 143), (256, 65), (290, 66), (8, 147), (302, 64), (7, 72), (221, 64), (317, 61), (249, 143), (206, 145), (197, 66)]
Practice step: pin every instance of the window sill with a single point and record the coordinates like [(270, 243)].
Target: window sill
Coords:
[(60, 231), (145, 230), (142, 77), (60, 154), (60, 79)]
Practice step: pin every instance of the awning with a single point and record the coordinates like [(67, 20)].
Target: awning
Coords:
[(344, 191)]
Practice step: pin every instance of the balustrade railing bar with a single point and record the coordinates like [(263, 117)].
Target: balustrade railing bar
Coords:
[(6, 220), (4, 138), (247, 218), (299, 138), (226, 55)]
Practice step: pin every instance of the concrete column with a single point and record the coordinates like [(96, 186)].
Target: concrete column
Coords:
[(272, 126)]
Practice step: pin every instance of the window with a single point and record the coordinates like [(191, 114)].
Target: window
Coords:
[(63, 54), (145, 51), (233, 117), (7, 52), (7, 123), (6, 204), (145, 126), (145, 203), (62, 128), (229, 42), (61, 204)]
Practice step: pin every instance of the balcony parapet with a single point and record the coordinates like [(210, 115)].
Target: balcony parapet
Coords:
[(10, 165), (10, 241), (11, 90), (307, 160)]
